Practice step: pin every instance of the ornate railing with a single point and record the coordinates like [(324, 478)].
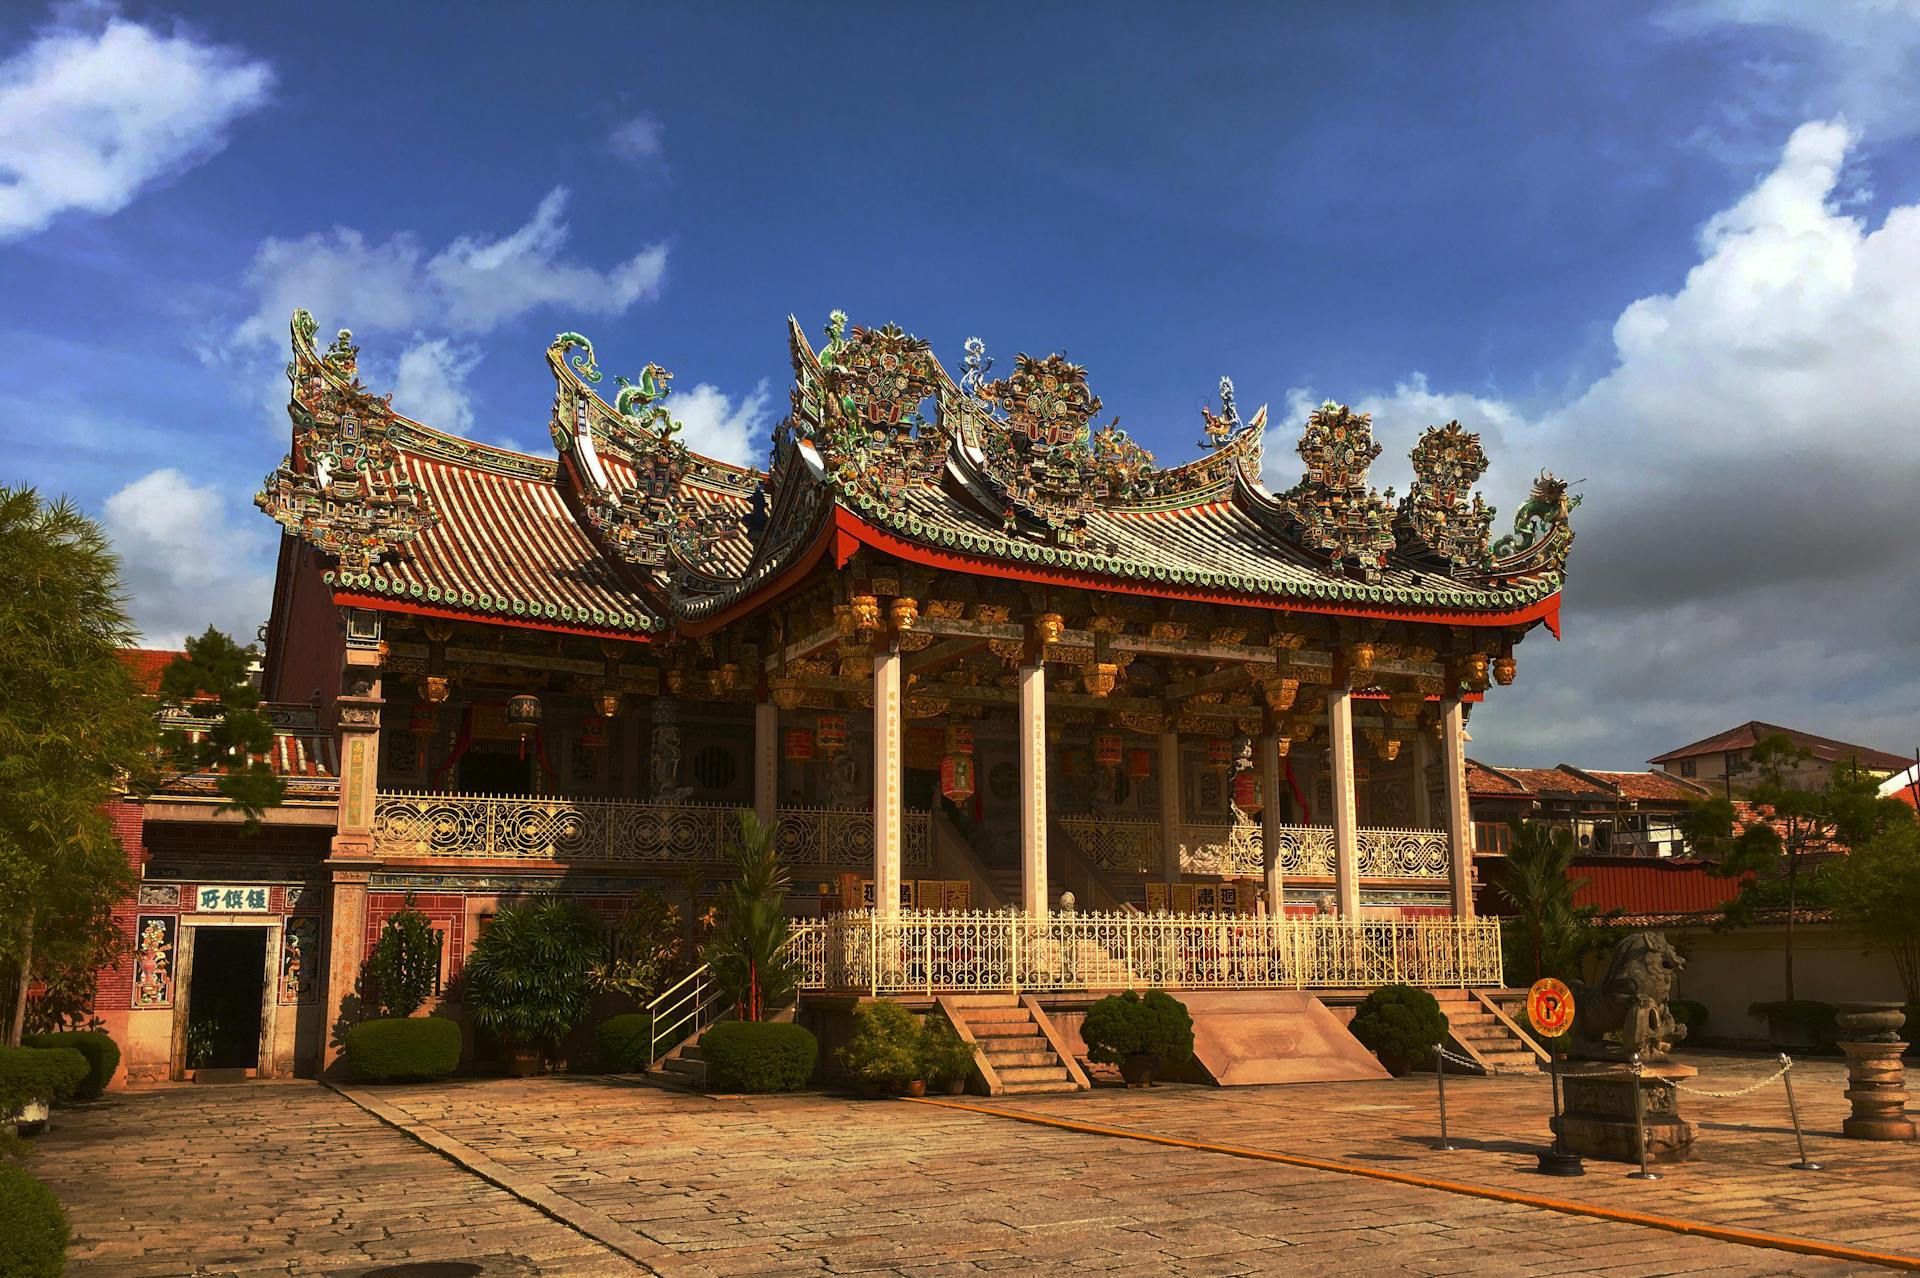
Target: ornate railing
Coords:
[(932, 952), (1234, 851), (556, 828)]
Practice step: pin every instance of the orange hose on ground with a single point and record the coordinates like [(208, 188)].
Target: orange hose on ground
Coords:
[(1699, 1229)]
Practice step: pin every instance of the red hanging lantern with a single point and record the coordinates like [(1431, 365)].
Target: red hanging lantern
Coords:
[(1139, 764), (593, 734), (956, 777), (830, 731), (1246, 792), (799, 745), (960, 738), (1106, 749), (1219, 754), (523, 716)]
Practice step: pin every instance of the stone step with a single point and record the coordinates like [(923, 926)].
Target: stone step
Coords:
[(1001, 1029), (1037, 1089), (695, 1070), (985, 1000), (995, 1015), (1055, 1073), (1002, 1061)]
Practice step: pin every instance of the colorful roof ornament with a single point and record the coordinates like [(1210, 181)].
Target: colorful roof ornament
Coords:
[(1442, 515), (1337, 512), (1542, 531), (339, 488)]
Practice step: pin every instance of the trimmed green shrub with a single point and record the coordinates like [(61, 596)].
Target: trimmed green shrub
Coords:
[(1692, 1014), (758, 1056), (102, 1053), (887, 1047), (624, 1042), (412, 1047), (1400, 1025), (34, 1242), (405, 962), (1129, 1024), (39, 1073)]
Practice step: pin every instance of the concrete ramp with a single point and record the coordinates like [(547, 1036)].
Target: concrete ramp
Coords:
[(1243, 1037)]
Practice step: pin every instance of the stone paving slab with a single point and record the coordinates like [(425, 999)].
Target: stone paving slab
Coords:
[(296, 1179)]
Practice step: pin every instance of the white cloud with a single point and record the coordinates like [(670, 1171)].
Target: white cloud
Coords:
[(1857, 59), (473, 285), (90, 114), (186, 561), (640, 140), (718, 428), (430, 384), (1745, 549)]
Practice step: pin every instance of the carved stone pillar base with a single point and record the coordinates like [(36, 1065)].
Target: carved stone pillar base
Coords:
[(1877, 1086), (1597, 1116)]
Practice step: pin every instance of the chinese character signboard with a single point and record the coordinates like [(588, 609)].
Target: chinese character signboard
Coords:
[(220, 899)]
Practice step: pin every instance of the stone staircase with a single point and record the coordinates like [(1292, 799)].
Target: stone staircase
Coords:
[(1478, 1033), (1018, 1051), (683, 1067)]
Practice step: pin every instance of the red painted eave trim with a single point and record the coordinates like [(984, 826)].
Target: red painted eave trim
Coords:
[(850, 528), (381, 603)]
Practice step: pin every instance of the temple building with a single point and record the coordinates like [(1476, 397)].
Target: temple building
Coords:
[(981, 657)]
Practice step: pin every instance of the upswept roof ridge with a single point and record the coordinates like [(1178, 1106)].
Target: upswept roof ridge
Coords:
[(627, 531)]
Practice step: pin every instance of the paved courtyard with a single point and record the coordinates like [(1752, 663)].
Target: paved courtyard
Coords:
[(593, 1176)]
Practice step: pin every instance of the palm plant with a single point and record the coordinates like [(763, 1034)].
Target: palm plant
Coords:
[(1553, 931), (530, 977), (748, 952)]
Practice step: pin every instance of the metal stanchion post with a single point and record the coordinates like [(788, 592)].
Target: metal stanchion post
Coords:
[(1793, 1111), (1440, 1085), (1640, 1124)]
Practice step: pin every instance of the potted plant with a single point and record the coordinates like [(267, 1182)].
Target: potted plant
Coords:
[(1401, 1025), (529, 980), (1140, 1034), (886, 1052), (32, 1079), (949, 1058)]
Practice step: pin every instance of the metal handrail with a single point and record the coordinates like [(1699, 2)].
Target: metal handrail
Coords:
[(687, 999)]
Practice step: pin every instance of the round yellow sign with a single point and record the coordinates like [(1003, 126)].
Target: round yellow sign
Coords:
[(1550, 1006)]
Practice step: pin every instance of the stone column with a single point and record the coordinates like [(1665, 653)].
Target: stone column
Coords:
[(1346, 829), (766, 761), (1170, 806), (1422, 755), (886, 780), (1453, 757), (1269, 747), (1033, 788), (352, 851)]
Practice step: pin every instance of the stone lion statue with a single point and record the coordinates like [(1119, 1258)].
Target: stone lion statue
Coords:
[(1626, 1013)]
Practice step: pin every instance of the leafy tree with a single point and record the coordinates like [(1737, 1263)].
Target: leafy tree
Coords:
[(405, 962), (529, 979), (211, 683), (1793, 826), (648, 945), (748, 949), (1553, 933), (1876, 889), (73, 729)]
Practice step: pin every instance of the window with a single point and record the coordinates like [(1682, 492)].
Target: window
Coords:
[(1495, 837), (1686, 767), (714, 768)]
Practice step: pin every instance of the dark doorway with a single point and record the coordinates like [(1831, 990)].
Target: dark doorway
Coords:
[(494, 772), (224, 997)]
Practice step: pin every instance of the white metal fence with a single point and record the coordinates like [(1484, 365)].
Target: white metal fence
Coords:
[(1132, 846), (937, 952), (557, 827)]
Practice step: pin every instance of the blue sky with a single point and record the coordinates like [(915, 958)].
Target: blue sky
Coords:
[(1671, 250)]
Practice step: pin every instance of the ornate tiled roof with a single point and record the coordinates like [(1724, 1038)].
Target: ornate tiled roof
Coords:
[(305, 755), (628, 532)]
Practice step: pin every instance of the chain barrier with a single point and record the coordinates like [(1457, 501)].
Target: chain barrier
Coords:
[(1495, 1072), (1744, 1091)]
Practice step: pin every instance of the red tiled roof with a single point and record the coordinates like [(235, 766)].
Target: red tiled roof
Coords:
[(1484, 782), (1647, 886), (1554, 781), (1659, 787), (146, 664), (1751, 733), (1745, 814), (506, 546)]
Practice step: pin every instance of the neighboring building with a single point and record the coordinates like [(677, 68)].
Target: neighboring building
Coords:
[(1610, 813), (1721, 761), (966, 646), (1904, 786)]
